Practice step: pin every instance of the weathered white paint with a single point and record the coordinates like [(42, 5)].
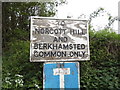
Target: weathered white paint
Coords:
[(70, 25), (61, 72)]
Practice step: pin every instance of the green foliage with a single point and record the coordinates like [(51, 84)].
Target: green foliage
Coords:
[(102, 71), (17, 69), (95, 14), (16, 18)]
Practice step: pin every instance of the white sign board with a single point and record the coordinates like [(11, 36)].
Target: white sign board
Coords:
[(58, 40)]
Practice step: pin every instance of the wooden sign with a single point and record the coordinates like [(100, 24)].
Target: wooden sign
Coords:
[(58, 40)]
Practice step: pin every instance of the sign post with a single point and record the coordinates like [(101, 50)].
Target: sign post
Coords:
[(59, 41)]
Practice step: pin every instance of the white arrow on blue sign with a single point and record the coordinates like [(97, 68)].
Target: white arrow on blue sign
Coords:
[(61, 75)]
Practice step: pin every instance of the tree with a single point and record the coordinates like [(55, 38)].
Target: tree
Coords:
[(18, 72), (16, 18)]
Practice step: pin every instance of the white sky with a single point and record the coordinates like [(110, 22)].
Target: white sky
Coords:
[(75, 8)]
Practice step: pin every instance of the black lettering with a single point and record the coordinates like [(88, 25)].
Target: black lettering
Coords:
[(56, 31), (59, 54), (75, 46), (60, 39), (55, 46), (65, 47), (51, 31), (45, 46), (78, 46), (65, 39), (41, 30), (82, 46), (37, 31), (35, 46), (50, 46), (41, 54), (70, 46), (55, 39), (47, 31), (35, 53), (40, 46), (60, 46), (71, 54), (83, 53), (53, 54)]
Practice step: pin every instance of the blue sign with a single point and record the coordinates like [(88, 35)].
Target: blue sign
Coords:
[(61, 75)]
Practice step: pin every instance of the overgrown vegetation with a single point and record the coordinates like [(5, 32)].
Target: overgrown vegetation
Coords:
[(101, 72)]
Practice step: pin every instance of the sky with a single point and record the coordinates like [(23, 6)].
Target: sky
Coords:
[(75, 8)]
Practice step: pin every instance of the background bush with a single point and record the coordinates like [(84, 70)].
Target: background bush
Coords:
[(102, 71)]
